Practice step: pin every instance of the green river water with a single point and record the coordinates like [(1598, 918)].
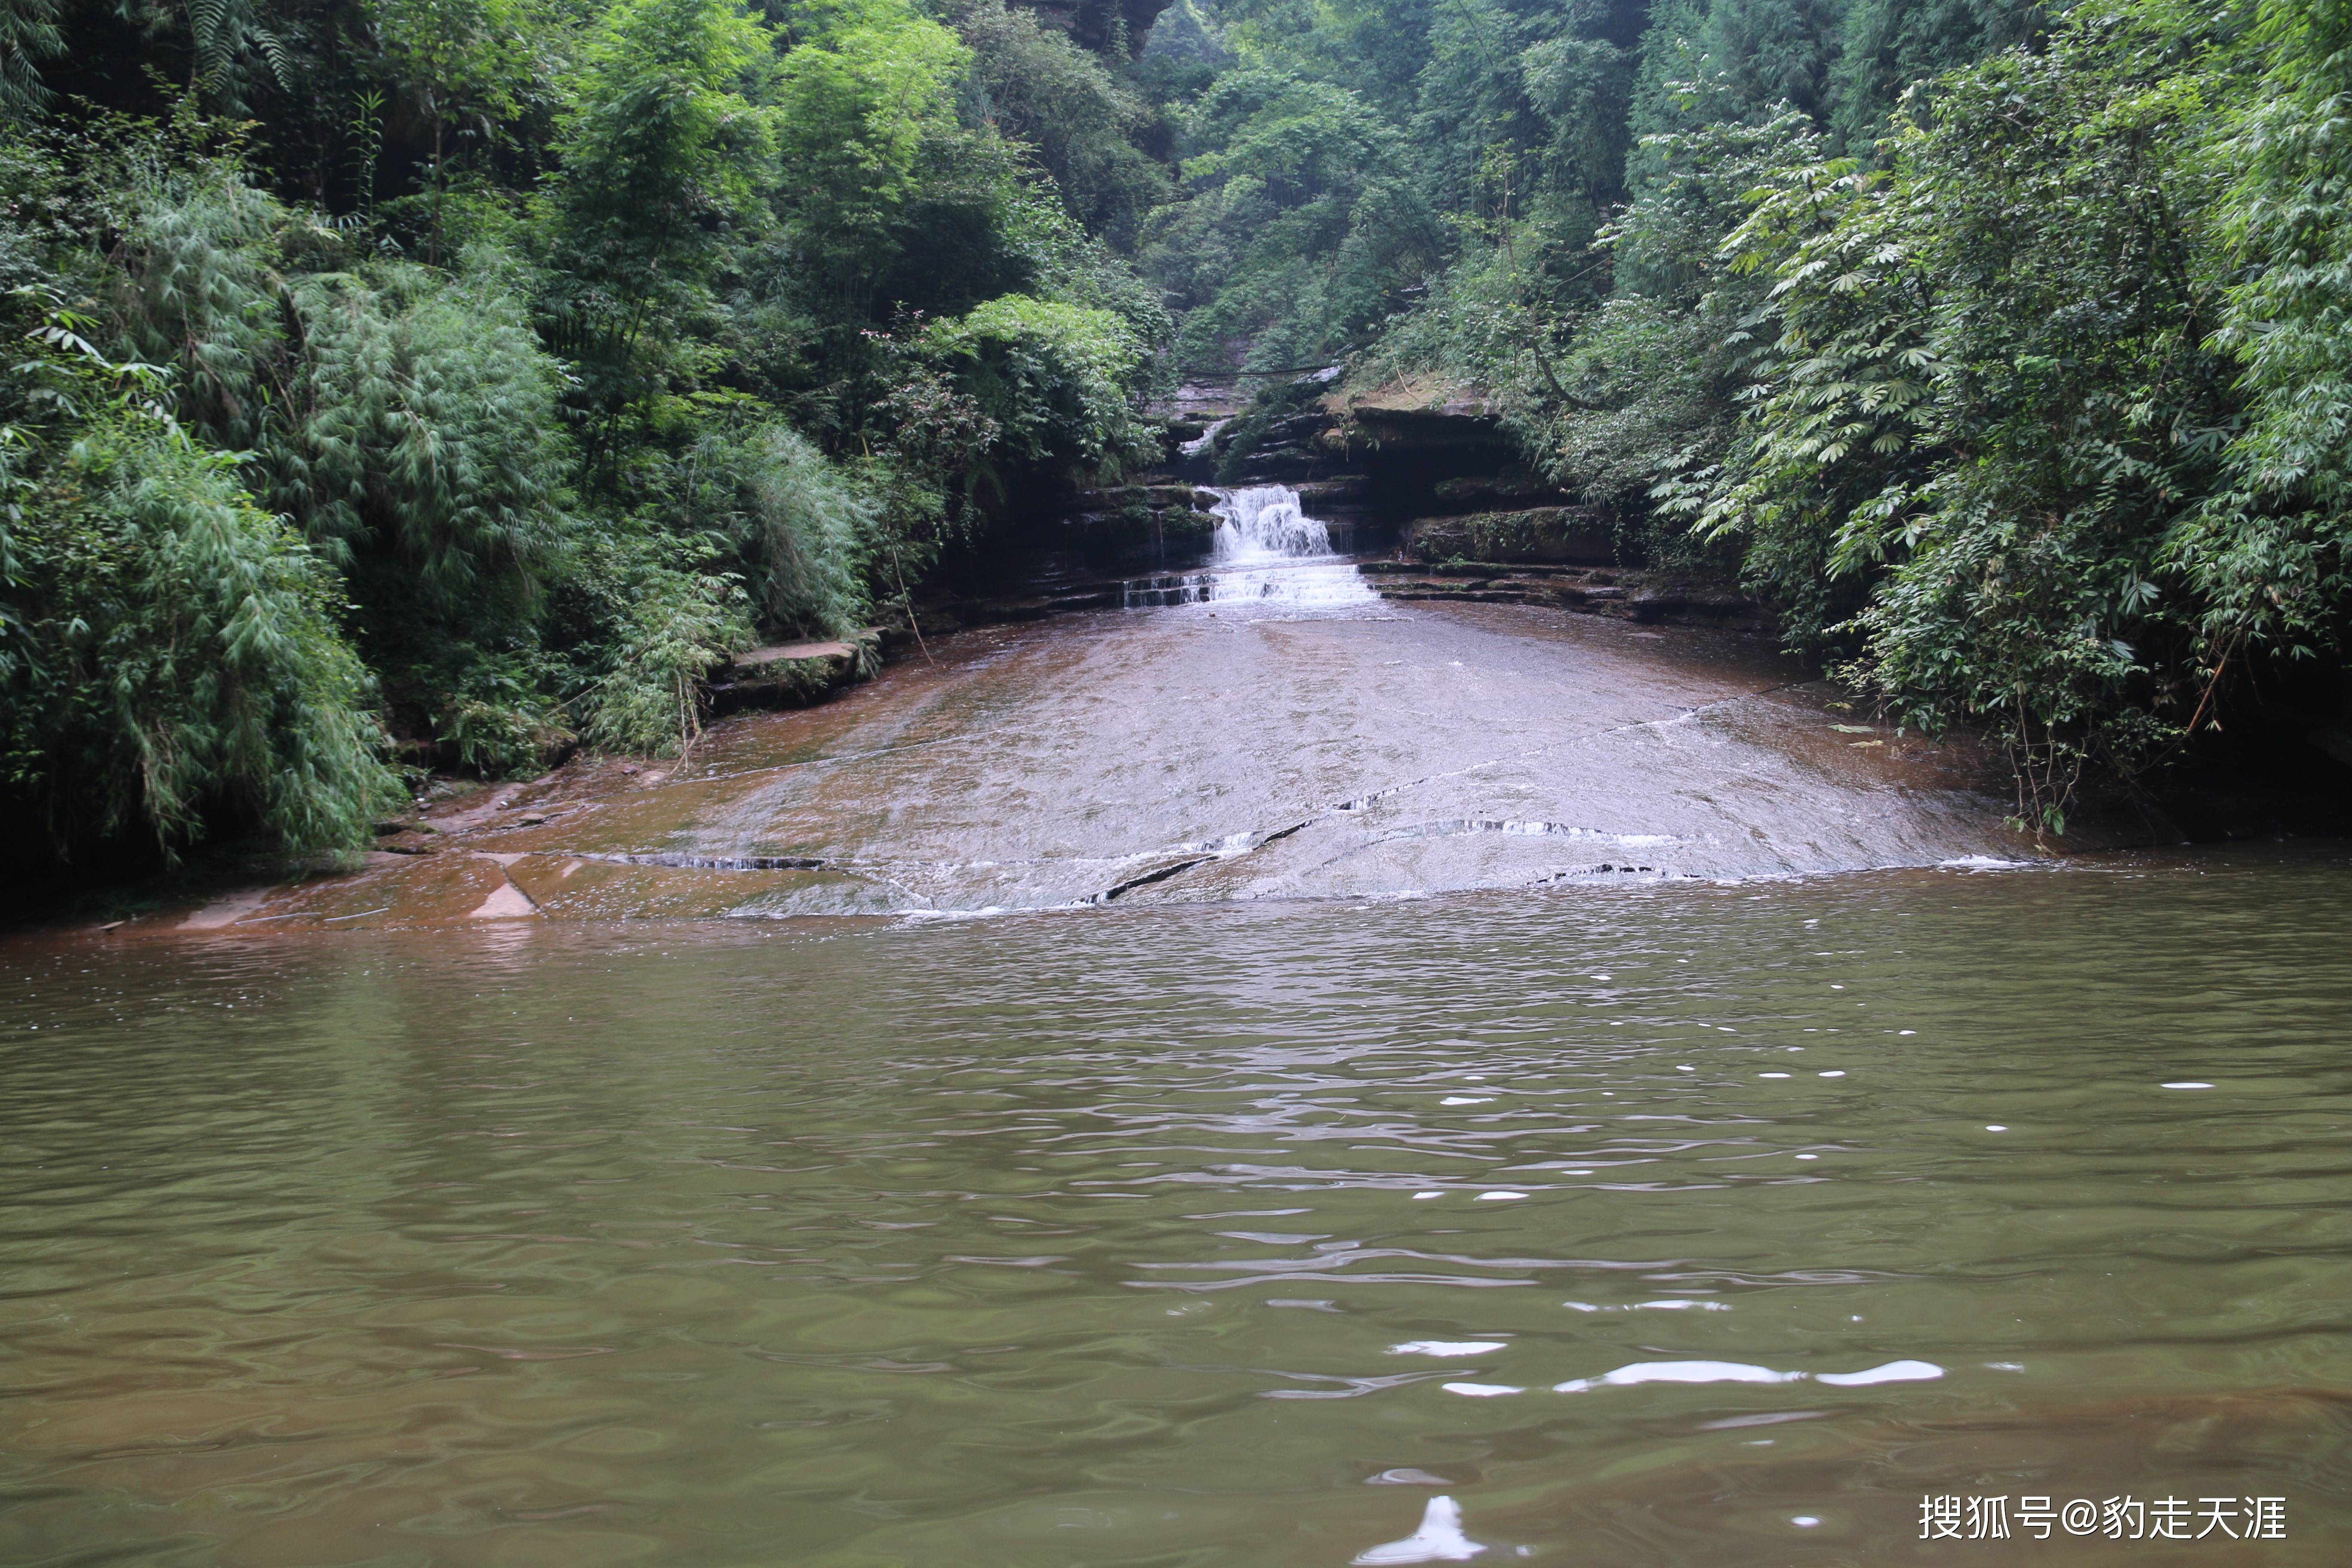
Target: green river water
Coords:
[(1209, 1234)]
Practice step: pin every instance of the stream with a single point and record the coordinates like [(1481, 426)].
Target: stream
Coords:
[(1266, 1075)]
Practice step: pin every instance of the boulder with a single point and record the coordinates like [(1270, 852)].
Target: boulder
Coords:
[(794, 675)]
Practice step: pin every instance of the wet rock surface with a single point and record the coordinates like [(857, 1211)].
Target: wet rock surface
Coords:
[(1272, 747), (1137, 524), (1648, 598)]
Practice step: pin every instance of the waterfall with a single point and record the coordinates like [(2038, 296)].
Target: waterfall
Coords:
[(1200, 444), (1268, 549), (1266, 522)]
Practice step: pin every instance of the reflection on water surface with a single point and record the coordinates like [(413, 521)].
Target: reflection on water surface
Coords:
[(1672, 1225)]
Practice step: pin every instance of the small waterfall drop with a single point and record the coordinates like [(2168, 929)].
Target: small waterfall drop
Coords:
[(1266, 523), (1267, 550)]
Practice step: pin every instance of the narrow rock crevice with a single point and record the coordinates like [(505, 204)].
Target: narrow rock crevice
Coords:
[(1161, 875), (715, 862)]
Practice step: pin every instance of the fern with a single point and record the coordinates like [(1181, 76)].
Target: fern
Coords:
[(28, 35), (221, 33)]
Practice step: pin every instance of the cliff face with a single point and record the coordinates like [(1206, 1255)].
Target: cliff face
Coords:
[(1095, 23)]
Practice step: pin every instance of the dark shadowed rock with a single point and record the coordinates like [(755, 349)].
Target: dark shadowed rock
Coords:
[(1556, 534)]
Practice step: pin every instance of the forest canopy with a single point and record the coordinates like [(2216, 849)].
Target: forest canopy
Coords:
[(402, 384)]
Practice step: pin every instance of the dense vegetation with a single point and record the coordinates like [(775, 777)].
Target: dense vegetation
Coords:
[(443, 382)]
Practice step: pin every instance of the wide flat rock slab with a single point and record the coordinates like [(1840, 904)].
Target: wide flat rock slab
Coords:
[(1219, 752)]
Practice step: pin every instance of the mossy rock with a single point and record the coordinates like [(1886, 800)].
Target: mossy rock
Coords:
[(794, 675), (1547, 533), (1130, 498), (1511, 484)]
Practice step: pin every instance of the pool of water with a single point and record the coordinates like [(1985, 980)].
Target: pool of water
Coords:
[(1674, 1223)]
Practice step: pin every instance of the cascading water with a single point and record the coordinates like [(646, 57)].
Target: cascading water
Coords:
[(1266, 548), (1266, 523)]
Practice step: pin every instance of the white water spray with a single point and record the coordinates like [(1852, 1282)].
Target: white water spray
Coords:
[(1266, 549), (1266, 523)]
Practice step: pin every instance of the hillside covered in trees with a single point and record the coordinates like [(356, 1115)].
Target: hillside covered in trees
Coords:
[(414, 384)]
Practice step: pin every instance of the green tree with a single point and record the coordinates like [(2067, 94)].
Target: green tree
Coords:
[(668, 160), (865, 83), (1992, 395), (2269, 549), (477, 63), (1032, 84)]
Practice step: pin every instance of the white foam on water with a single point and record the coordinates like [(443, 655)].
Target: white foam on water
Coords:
[(1439, 1539), (1447, 1347), (1740, 1372), (1893, 1371), (1677, 1372), (1200, 444), (1669, 1304), (1481, 1389)]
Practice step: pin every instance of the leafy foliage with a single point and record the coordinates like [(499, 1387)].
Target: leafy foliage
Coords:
[(524, 361), (421, 432), (1085, 122), (1049, 376), (800, 525), (28, 35), (170, 660), (858, 101), (670, 622), (2267, 549), (1991, 396)]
